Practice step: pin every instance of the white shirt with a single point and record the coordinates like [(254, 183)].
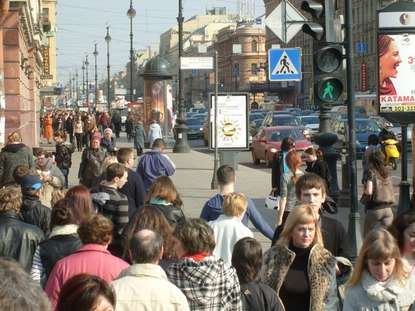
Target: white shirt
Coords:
[(228, 230)]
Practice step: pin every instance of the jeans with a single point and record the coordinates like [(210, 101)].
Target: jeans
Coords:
[(65, 172), (377, 218)]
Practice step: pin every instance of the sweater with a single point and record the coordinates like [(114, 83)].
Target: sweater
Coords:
[(228, 230), (213, 209)]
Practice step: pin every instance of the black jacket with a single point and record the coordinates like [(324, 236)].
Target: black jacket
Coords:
[(334, 236), (91, 166), (57, 247), (63, 156), (276, 172), (259, 297), (18, 240), (11, 156), (134, 190), (34, 213), (320, 168), (173, 214)]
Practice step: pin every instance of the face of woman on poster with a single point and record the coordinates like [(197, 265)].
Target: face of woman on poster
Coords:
[(390, 61)]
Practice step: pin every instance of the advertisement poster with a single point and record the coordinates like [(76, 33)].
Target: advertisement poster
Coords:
[(232, 123), (396, 72)]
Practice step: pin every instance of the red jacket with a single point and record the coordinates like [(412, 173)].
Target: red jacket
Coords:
[(93, 259)]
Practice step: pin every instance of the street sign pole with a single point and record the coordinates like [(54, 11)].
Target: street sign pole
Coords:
[(214, 182)]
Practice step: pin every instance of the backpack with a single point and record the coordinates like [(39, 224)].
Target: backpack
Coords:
[(383, 192)]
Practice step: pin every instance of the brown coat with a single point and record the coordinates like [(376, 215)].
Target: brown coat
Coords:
[(321, 274)]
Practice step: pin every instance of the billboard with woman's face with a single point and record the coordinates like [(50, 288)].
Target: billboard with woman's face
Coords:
[(396, 73)]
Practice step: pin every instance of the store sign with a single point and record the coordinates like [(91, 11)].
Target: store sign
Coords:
[(46, 61), (232, 122)]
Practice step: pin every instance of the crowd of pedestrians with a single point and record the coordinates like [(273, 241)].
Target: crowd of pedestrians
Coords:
[(120, 240)]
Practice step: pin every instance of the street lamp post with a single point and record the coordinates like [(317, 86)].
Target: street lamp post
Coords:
[(181, 145), (96, 77), (131, 14), (87, 82), (83, 77), (108, 40), (76, 87)]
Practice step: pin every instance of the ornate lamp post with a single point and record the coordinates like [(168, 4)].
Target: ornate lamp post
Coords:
[(131, 14), (87, 82), (83, 77), (108, 40), (96, 77), (181, 145)]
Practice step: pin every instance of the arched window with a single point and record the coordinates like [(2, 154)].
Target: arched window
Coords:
[(254, 46)]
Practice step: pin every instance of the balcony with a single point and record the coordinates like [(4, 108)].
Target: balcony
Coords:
[(45, 22)]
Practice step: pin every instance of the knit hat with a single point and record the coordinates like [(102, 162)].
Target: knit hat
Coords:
[(31, 182), (108, 130)]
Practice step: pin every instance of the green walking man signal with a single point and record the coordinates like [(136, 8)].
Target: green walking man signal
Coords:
[(328, 91)]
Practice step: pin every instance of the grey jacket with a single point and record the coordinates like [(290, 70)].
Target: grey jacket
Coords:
[(370, 295), (139, 135), (11, 156)]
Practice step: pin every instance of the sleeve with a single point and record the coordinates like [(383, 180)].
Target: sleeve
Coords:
[(350, 302), (275, 173), (205, 212), (30, 160), (284, 186), (82, 165), (258, 221), (332, 302), (170, 167), (120, 218), (54, 285), (58, 180), (37, 271), (139, 192)]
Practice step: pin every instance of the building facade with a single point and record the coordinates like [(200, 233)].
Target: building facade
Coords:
[(22, 63), (48, 20)]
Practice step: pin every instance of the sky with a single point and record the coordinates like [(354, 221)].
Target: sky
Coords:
[(81, 24)]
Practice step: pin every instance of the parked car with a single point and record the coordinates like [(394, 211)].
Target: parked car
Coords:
[(312, 122), (268, 141), (278, 118), (195, 130)]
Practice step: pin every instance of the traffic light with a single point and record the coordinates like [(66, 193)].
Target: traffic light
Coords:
[(321, 27), (328, 73)]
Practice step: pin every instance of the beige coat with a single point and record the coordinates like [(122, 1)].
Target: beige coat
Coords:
[(146, 287)]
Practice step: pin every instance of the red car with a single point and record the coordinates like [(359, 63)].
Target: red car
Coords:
[(268, 141)]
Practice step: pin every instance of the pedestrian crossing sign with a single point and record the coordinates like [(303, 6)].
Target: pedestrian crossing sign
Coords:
[(284, 64)]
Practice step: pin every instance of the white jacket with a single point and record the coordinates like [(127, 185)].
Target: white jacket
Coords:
[(228, 230), (154, 132), (370, 294), (146, 287)]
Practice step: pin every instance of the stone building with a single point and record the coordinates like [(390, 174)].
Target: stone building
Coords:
[(21, 63), (242, 57)]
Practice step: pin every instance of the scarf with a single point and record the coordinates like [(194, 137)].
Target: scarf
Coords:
[(381, 291), (388, 89), (197, 256)]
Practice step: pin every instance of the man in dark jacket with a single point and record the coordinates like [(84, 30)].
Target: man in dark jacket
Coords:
[(154, 164), (32, 211), (113, 204), (134, 187), (13, 154), (90, 168), (213, 208), (116, 122), (18, 239)]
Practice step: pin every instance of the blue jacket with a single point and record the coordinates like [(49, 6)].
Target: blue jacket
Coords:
[(154, 164), (213, 209)]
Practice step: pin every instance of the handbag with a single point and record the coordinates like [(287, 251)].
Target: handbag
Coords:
[(272, 201)]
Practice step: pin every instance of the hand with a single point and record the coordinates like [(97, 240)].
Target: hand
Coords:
[(279, 220)]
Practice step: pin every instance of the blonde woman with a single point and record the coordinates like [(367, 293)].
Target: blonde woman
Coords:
[(380, 280), (298, 267)]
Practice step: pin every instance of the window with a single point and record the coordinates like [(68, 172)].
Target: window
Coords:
[(254, 69), (254, 46)]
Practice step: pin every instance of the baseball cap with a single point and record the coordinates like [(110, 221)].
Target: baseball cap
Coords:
[(31, 182)]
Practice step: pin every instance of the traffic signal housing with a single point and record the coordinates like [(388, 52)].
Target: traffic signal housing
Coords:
[(328, 74), (321, 27)]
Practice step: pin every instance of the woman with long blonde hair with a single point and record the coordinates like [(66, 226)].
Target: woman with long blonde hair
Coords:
[(380, 280), (298, 267)]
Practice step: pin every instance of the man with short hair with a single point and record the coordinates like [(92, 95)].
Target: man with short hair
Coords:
[(18, 239), (92, 258), (33, 211), (311, 189), (154, 164), (134, 187), (144, 285), (213, 208), (112, 203)]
